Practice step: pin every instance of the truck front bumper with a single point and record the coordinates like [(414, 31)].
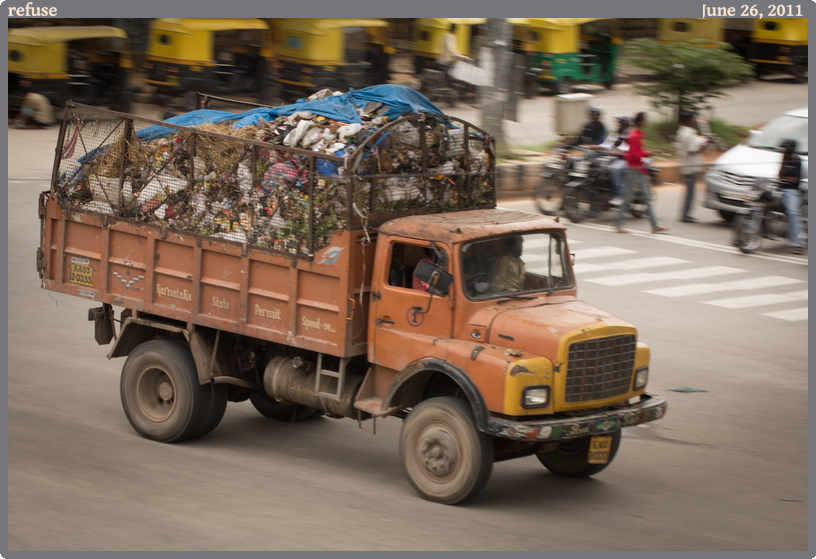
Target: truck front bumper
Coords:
[(650, 408)]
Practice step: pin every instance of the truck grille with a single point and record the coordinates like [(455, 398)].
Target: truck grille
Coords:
[(598, 369)]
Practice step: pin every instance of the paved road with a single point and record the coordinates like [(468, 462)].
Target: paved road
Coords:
[(725, 469)]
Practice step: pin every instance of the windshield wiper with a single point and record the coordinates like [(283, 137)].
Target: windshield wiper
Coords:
[(554, 287), (516, 297)]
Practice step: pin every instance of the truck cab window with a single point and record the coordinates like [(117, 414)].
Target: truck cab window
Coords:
[(529, 263), (404, 260)]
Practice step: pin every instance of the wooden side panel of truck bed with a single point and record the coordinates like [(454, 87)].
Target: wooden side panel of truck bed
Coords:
[(314, 304)]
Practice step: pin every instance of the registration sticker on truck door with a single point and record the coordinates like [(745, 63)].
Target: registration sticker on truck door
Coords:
[(599, 450)]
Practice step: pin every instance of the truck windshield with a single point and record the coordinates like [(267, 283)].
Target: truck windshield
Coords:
[(515, 264)]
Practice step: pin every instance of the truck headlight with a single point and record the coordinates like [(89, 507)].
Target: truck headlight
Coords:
[(535, 397), (641, 377)]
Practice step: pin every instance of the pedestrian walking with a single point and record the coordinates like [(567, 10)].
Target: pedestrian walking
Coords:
[(789, 175), (36, 111), (638, 176), (689, 145)]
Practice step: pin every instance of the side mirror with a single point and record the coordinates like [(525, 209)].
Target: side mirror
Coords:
[(752, 134), (438, 280)]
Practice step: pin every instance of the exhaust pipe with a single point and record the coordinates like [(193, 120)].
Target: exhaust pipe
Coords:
[(292, 380)]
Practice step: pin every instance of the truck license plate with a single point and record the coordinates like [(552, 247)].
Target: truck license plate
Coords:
[(599, 450)]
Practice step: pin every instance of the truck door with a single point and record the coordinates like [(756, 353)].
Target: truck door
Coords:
[(399, 302)]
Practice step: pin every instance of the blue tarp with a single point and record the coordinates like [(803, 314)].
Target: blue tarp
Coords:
[(399, 99)]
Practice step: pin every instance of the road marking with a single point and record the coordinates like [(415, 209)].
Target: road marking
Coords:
[(751, 301), (690, 289), (598, 252), (798, 294), (751, 283), (586, 268), (761, 282), (790, 314), (644, 277), (635, 264), (687, 242)]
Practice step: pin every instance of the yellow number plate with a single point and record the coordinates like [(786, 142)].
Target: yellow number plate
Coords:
[(599, 450)]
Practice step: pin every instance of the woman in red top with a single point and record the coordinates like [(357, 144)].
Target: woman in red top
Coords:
[(636, 172)]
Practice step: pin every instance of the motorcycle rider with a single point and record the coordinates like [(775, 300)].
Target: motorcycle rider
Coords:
[(594, 131), (617, 166), (790, 174)]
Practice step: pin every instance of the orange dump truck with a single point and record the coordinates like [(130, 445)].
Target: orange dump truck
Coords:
[(420, 299)]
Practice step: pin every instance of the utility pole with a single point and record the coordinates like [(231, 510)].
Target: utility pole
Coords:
[(494, 95)]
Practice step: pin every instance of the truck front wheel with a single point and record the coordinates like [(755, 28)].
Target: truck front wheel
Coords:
[(162, 397), (571, 458), (446, 458)]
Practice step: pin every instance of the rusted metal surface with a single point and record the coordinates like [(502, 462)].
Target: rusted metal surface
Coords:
[(650, 408), (284, 381), (457, 227)]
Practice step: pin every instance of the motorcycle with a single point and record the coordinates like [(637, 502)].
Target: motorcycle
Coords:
[(590, 189), (549, 195), (764, 217)]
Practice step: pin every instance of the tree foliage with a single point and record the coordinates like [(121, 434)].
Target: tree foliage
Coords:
[(687, 74)]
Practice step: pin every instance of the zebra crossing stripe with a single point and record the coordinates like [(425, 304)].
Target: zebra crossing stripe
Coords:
[(751, 301), (789, 314), (645, 277), (599, 252), (635, 264), (798, 294), (761, 282), (751, 283), (690, 289)]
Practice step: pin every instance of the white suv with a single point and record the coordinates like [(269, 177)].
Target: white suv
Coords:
[(737, 170)]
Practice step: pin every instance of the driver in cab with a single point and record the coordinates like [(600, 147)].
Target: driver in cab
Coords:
[(508, 271)]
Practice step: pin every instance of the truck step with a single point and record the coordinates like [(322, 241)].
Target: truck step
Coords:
[(373, 406)]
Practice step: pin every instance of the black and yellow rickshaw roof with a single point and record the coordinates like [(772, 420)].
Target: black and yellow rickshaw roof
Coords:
[(41, 36), (318, 26), (198, 25)]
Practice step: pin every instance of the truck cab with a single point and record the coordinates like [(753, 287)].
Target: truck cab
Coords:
[(497, 322)]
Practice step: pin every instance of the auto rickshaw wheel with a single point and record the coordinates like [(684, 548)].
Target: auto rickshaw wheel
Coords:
[(798, 72)]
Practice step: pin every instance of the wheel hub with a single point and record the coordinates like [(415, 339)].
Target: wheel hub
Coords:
[(438, 452), (166, 392)]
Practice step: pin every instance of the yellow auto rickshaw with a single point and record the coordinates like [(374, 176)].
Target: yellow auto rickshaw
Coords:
[(213, 56), (313, 54), (709, 32), (428, 34), (779, 46), (85, 64), (562, 52)]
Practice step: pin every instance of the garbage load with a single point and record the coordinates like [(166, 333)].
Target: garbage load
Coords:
[(286, 178)]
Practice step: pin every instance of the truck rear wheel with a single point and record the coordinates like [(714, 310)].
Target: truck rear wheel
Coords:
[(162, 397), (446, 458), (280, 411), (571, 458)]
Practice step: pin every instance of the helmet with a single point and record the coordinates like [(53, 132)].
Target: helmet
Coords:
[(595, 110), (623, 120), (788, 143)]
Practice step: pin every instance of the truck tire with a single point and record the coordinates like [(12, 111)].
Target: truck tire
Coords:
[(218, 405), (571, 458), (446, 458), (279, 411), (161, 395)]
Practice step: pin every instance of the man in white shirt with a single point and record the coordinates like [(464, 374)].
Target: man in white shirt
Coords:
[(449, 55), (689, 145), (36, 111)]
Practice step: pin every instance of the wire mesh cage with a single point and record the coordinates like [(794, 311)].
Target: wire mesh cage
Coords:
[(245, 185)]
